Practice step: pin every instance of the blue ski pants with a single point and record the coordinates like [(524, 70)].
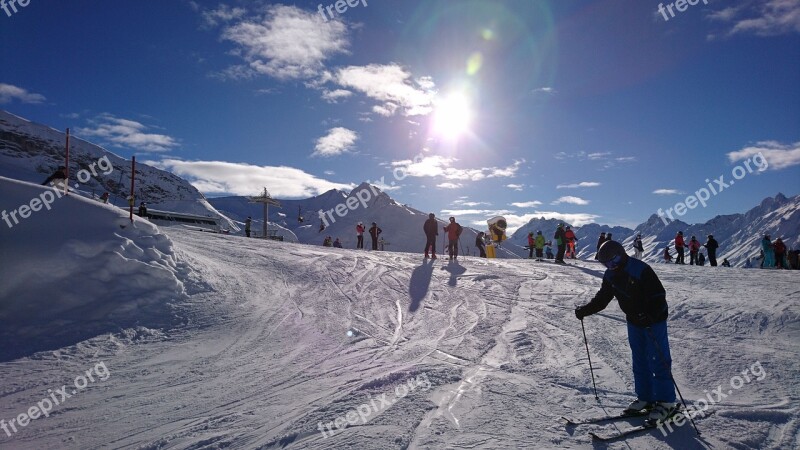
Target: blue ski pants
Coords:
[(652, 363)]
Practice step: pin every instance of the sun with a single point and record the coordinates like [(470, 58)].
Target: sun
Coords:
[(452, 117)]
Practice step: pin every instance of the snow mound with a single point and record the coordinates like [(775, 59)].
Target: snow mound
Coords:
[(78, 269)]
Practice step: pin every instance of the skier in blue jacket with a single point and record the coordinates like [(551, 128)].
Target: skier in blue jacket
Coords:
[(642, 298)]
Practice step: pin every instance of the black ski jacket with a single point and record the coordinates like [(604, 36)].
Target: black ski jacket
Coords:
[(711, 245), (638, 290), (431, 228)]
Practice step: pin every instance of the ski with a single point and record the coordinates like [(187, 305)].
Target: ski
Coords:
[(608, 418), (648, 426)]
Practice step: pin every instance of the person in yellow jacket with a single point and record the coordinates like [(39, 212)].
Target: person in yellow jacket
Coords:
[(539, 243)]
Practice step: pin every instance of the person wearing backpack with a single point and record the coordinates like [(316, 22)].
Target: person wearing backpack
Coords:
[(712, 245), (453, 230)]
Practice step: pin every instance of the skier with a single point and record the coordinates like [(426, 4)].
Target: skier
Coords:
[(247, 224), (360, 235), (642, 298), (382, 243), (725, 262), (571, 240), (561, 243), (638, 247), (780, 254), (143, 210), (694, 247), (321, 226), (337, 243), (701, 259), (480, 244), (768, 261), (667, 256), (104, 197), (531, 245), (453, 231), (600, 242), (549, 251), (679, 247), (60, 175), (327, 242), (374, 232), (431, 229), (712, 245), (539, 245), (748, 264)]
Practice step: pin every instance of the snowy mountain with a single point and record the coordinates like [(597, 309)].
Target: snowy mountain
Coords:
[(174, 339), (31, 152), (739, 235)]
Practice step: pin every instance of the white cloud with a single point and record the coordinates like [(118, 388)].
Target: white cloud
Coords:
[(462, 201), (763, 18), (392, 86), (582, 184), (337, 141), (223, 14), (335, 95), (488, 213), (449, 185), (127, 133), (544, 90), (516, 187), (777, 155), (441, 166), (9, 93), (287, 43), (571, 200), (531, 204), (667, 192), (218, 177)]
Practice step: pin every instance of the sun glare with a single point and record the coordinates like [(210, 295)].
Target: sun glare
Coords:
[(452, 117)]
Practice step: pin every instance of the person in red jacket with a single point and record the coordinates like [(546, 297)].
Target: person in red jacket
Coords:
[(360, 229), (679, 247), (531, 245), (694, 248), (453, 231), (571, 239)]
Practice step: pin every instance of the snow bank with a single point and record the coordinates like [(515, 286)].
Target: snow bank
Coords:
[(76, 270)]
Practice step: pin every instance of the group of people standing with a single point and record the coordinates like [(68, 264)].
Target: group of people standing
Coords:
[(374, 233), (775, 254), (453, 230), (695, 257)]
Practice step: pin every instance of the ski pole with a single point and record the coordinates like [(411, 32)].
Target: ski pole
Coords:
[(664, 361), (591, 370)]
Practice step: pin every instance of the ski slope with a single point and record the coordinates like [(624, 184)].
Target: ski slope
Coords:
[(263, 343)]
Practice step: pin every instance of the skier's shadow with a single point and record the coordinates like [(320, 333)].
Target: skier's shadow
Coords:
[(419, 284), (455, 270)]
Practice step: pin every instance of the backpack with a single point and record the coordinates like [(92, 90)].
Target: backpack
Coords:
[(459, 230)]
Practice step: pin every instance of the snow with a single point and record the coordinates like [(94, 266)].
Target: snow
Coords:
[(218, 341)]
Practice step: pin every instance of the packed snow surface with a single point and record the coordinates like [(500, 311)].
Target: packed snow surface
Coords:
[(259, 344)]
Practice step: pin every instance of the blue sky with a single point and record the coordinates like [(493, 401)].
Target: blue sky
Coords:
[(583, 110)]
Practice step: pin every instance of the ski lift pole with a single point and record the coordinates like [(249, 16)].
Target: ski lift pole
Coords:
[(66, 167), (133, 185)]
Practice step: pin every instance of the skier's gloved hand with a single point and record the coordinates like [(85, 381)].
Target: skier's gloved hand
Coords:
[(580, 313)]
